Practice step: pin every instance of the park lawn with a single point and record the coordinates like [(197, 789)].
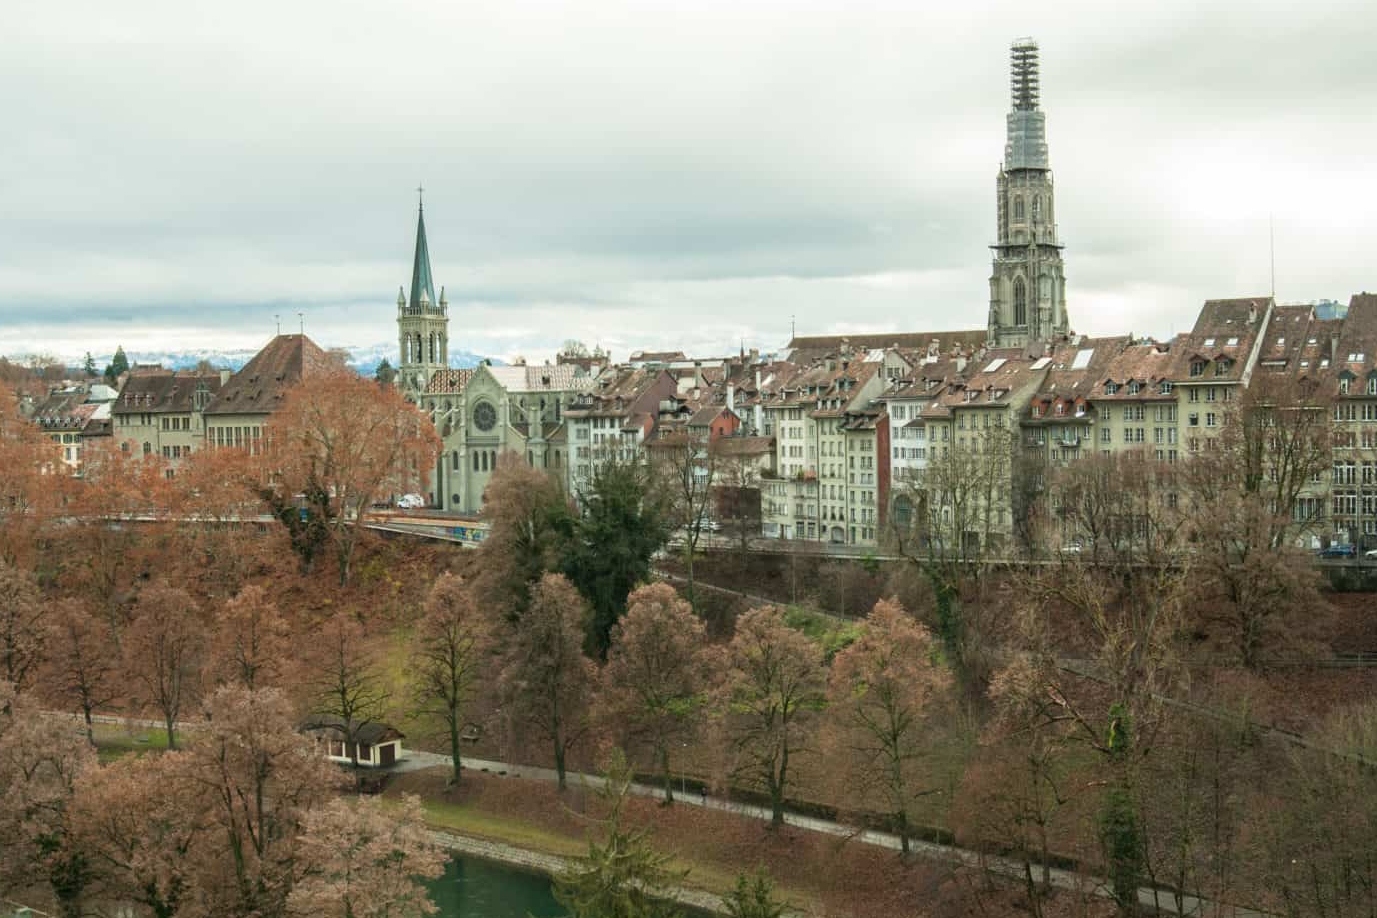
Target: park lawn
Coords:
[(115, 741), (814, 873)]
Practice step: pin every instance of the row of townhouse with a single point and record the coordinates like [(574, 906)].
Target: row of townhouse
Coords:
[(865, 431), (171, 414)]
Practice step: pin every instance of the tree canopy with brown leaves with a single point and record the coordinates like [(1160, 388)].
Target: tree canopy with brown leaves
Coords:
[(883, 691), (164, 650), (654, 686), (547, 681), (773, 683), (343, 443)]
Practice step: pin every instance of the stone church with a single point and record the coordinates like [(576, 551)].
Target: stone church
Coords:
[(479, 413)]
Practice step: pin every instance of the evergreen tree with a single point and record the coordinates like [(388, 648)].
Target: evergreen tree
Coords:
[(386, 374), (753, 897), (620, 876), (624, 521), (88, 366), (119, 365)]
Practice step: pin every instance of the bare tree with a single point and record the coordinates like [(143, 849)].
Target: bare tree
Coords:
[(22, 631), (687, 465), (251, 643), (163, 652), (1247, 496), (953, 518), (450, 647), (347, 685)]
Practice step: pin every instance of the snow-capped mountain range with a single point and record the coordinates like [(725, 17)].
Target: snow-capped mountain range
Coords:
[(365, 358)]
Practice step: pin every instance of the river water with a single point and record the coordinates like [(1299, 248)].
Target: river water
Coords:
[(474, 888)]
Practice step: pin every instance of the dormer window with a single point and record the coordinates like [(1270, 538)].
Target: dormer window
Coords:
[(1134, 387), (1165, 387), (1222, 367), (1197, 368), (1110, 388), (1343, 386), (1372, 385), (1061, 409)]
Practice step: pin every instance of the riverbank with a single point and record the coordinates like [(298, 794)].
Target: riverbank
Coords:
[(551, 865), (531, 825)]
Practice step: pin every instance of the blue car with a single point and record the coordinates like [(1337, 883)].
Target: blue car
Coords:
[(1338, 551)]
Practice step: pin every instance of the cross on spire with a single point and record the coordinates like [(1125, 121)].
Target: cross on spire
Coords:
[(420, 196)]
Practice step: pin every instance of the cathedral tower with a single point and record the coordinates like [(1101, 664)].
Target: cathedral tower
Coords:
[(1027, 284), (422, 322)]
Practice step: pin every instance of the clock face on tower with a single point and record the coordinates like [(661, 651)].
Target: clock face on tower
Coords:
[(484, 416)]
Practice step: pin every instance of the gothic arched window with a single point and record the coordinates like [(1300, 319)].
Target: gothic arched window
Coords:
[(1018, 207), (1020, 302), (1037, 207)]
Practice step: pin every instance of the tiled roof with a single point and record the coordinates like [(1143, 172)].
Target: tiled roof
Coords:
[(541, 378), (448, 382), (163, 391), (1225, 329), (258, 388), (744, 446), (807, 348)]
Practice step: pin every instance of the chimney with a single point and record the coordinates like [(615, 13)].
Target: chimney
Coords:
[(1334, 348), (731, 397), (224, 377)]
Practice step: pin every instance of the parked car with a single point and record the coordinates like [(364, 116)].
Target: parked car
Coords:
[(1371, 553), (1338, 551), (410, 502)]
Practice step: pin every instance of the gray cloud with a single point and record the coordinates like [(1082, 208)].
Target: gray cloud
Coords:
[(651, 174)]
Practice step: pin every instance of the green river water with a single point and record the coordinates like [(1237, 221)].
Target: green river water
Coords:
[(473, 888)]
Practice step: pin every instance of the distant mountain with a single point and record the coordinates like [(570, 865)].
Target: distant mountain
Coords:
[(364, 359)]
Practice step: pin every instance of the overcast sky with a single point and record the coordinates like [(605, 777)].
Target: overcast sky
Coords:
[(664, 174)]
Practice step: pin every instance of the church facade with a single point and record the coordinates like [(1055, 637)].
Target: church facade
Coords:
[(479, 413)]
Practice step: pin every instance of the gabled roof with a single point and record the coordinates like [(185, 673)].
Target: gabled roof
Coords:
[(448, 382), (808, 348), (258, 388), (155, 390), (370, 732)]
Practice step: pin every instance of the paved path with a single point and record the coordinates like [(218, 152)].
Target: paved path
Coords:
[(1159, 900), (1149, 898)]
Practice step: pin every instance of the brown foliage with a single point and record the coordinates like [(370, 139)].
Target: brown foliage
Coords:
[(359, 860), (22, 632), (529, 519), (40, 759), (163, 652), (654, 684), (33, 482), (547, 682), (251, 642), (772, 684), (345, 442), (82, 665), (344, 677), (883, 691)]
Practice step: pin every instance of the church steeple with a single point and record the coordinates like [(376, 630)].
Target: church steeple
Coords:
[(420, 269), (1027, 283), (422, 321)]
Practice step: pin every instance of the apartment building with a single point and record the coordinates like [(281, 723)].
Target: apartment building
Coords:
[(163, 412), (612, 418)]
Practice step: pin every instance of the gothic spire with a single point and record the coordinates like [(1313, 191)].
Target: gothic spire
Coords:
[(420, 270), (1026, 146)]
